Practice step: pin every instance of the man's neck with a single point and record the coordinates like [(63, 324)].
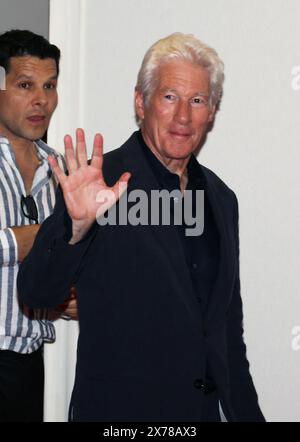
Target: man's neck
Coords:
[(23, 149), (177, 166), (27, 160)]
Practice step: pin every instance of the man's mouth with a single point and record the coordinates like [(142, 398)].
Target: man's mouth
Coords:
[(180, 134), (36, 119)]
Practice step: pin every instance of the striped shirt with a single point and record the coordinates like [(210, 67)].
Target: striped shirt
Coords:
[(21, 329)]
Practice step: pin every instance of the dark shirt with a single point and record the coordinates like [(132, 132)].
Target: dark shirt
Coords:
[(201, 252)]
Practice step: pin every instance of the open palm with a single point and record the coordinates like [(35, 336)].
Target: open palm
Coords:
[(85, 192)]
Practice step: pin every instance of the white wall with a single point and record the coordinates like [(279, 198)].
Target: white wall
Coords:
[(254, 146), (25, 14)]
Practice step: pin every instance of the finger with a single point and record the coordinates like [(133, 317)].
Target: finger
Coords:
[(81, 148), (97, 155), (70, 309), (68, 304), (58, 172), (73, 292), (69, 154), (72, 304), (121, 186)]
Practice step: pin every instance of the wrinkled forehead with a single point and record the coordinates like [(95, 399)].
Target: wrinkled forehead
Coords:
[(183, 75), (32, 67)]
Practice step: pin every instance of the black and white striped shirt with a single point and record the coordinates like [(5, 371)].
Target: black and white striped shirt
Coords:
[(21, 329)]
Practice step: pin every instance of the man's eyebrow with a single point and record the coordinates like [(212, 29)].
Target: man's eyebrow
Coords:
[(204, 94), (30, 77), (54, 77), (167, 89), (26, 77)]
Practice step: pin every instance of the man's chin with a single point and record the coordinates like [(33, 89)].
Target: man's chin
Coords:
[(35, 134), (180, 153)]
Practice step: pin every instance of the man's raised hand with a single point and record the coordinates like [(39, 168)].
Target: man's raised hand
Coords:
[(84, 189)]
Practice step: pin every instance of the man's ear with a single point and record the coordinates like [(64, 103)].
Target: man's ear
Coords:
[(139, 104)]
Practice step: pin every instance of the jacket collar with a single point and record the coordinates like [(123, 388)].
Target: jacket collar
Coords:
[(143, 178)]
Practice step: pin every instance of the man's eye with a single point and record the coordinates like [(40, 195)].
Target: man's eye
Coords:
[(24, 85), (50, 86), (199, 100), (169, 97)]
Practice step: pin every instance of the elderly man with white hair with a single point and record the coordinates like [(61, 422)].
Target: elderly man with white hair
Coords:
[(160, 311)]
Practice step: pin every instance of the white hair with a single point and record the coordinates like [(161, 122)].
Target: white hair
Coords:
[(185, 47)]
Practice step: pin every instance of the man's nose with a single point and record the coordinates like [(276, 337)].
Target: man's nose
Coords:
[(183, 112), (40, 97)]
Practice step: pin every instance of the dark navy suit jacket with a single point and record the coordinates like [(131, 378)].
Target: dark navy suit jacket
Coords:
[(144, 343)]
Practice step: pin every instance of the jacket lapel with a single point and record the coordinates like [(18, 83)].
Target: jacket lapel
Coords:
[(143, 178)]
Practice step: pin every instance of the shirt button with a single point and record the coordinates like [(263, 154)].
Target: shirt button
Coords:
[(198, 383)]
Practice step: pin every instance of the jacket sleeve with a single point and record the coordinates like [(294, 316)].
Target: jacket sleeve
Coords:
[(8, 248), (49, 270), (243, 394)]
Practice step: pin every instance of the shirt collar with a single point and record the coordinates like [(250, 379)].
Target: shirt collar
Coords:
[(42, 148), (43, 172)]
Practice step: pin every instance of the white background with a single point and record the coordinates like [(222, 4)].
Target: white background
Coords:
[(254, 147), (25, 14)]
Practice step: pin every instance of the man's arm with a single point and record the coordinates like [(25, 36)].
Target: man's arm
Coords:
[(49, 270), (243, 394), (8, 248), (15, 243), (25, 236)]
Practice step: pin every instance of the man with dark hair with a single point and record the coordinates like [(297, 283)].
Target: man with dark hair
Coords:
[(27, 197), (21, 43)]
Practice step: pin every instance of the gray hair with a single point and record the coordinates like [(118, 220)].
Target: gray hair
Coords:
[(185, 47)]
